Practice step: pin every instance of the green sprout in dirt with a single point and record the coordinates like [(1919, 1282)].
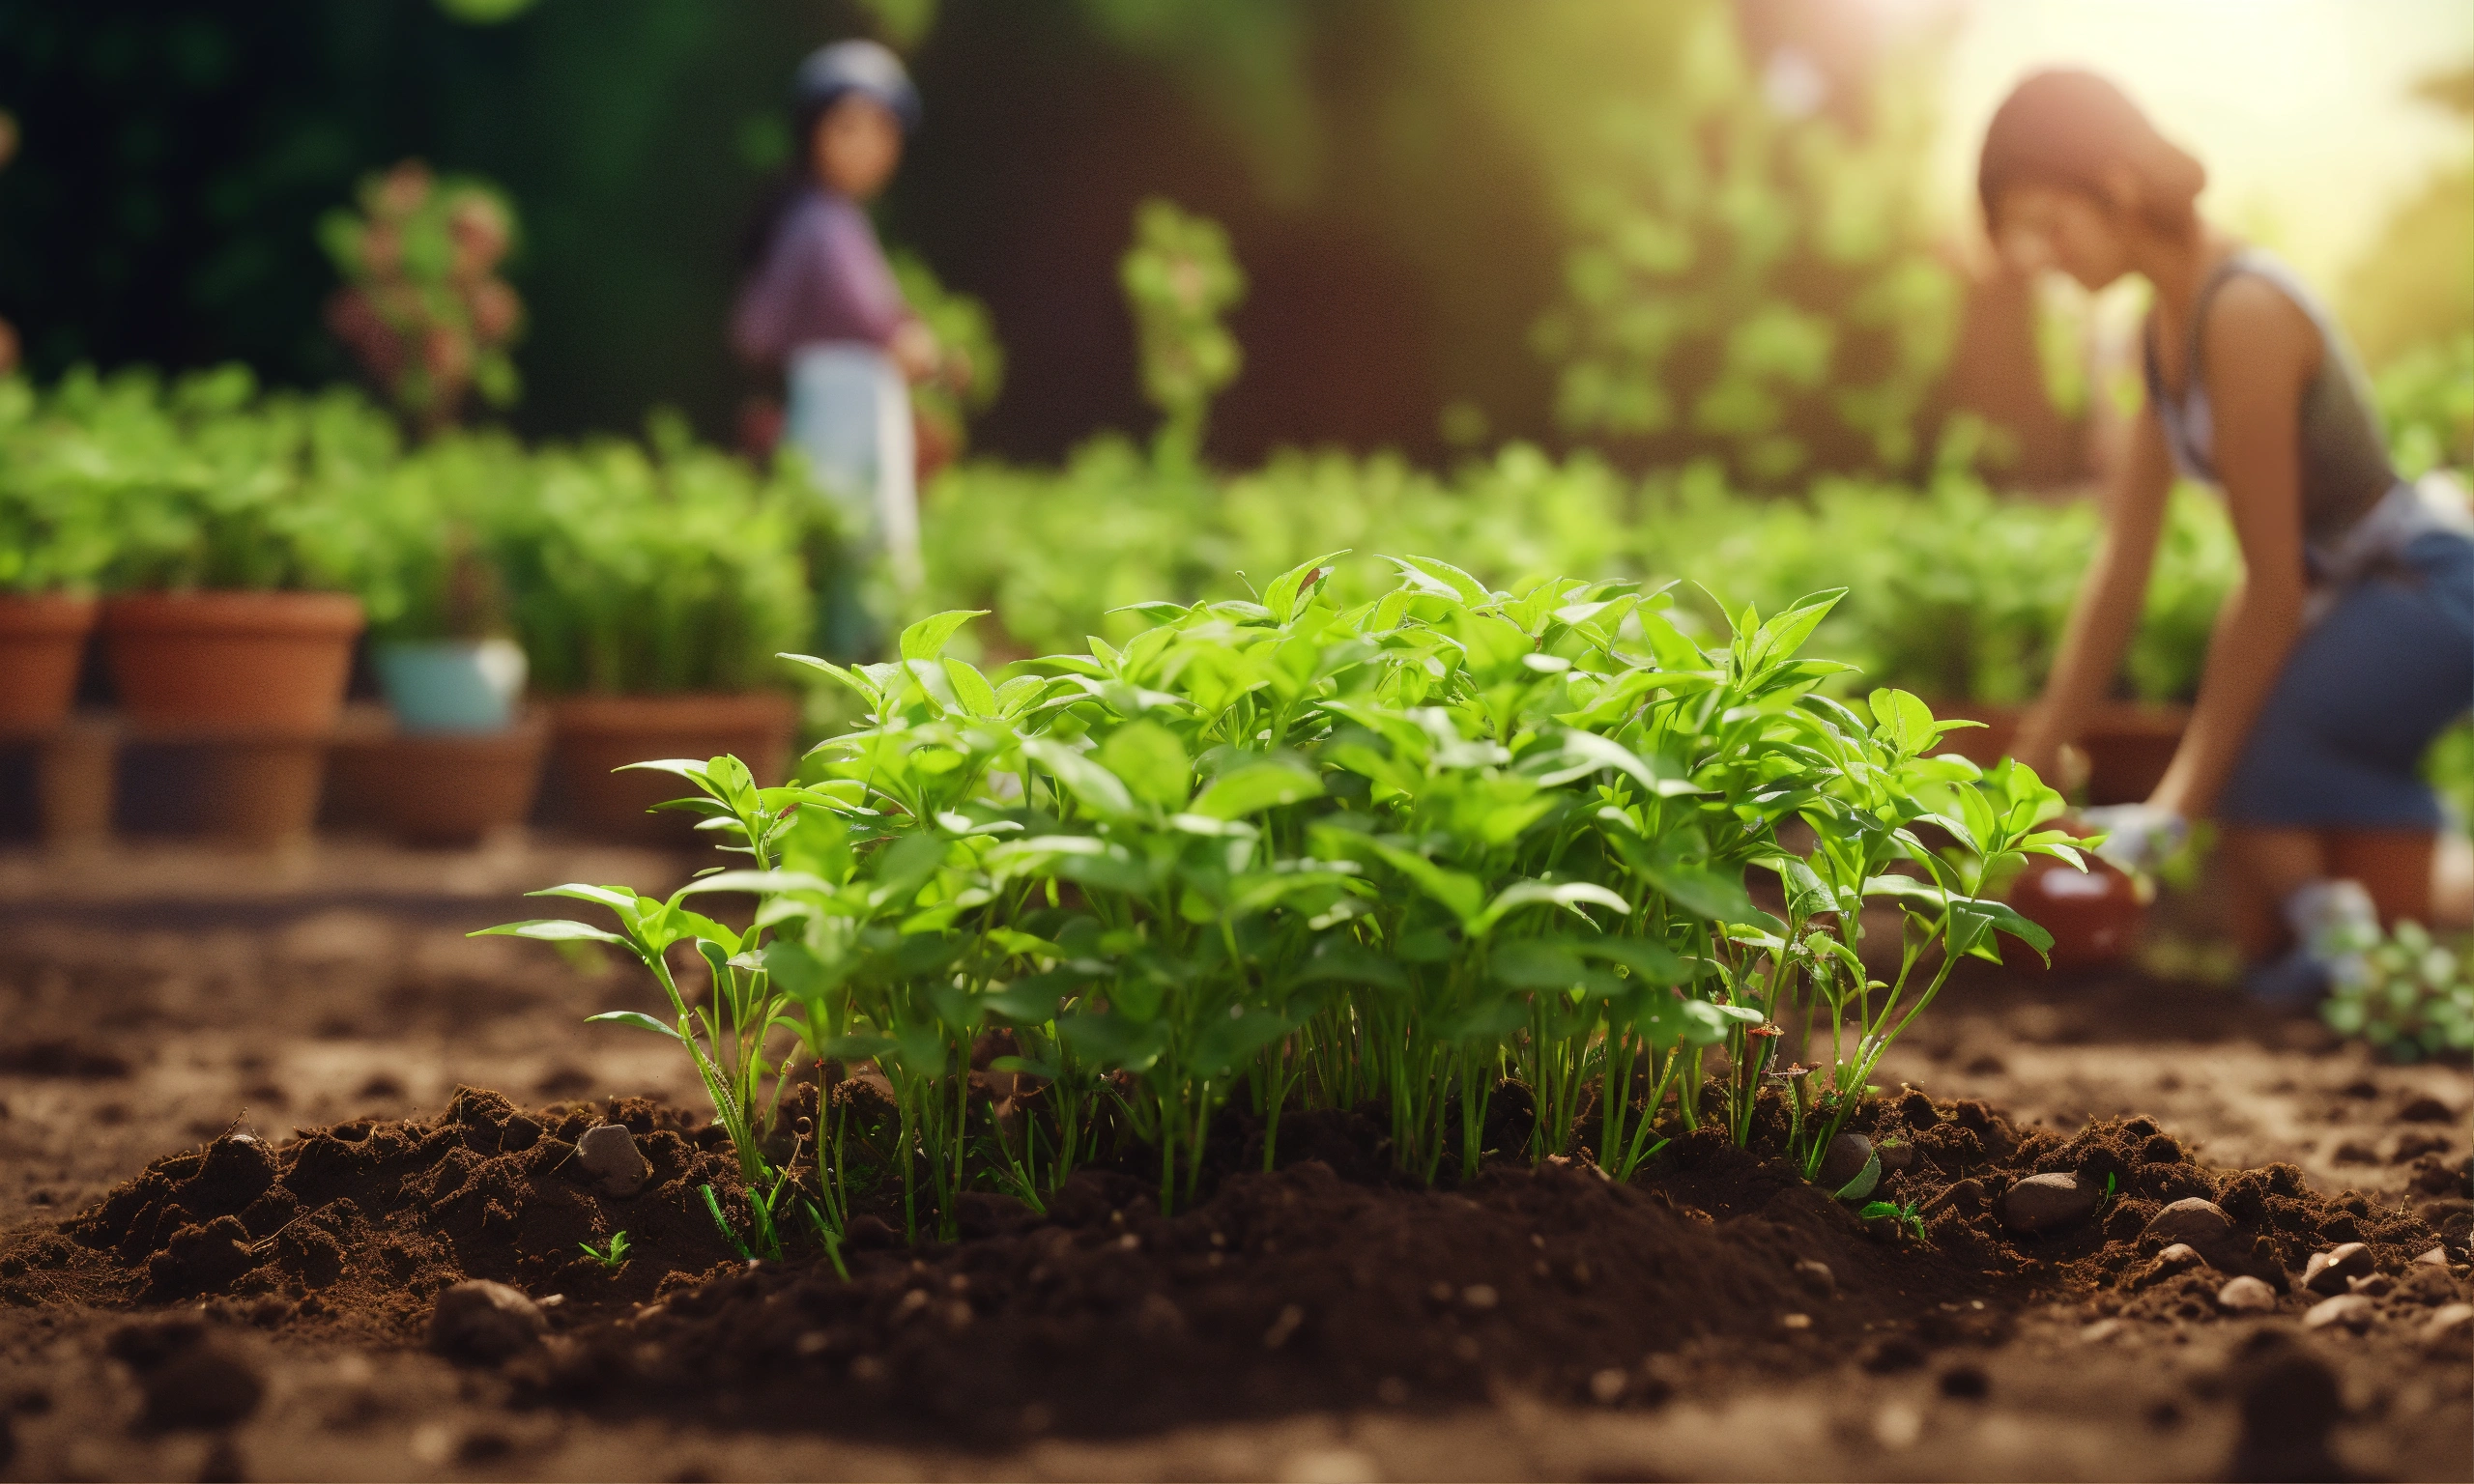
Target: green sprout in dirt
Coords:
[(610, 1255), (1903, 1217)]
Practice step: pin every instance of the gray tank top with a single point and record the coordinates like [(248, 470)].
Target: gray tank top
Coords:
[(2344, 458)]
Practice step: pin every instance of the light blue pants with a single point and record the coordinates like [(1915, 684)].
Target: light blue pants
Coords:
[(850, 415)]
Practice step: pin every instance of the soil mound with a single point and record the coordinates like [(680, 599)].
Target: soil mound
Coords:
[(356, 1226), (1321, 1284)]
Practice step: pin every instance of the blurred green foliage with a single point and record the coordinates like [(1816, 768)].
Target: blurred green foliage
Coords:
[(967, 339), (1754, 274), (2427, 399), (129, 481), (2412, 998), (620, 568), (2413, 286), (1953, 592), (1180, 279)]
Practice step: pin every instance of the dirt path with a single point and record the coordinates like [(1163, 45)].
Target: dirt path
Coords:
[(156, 1003)]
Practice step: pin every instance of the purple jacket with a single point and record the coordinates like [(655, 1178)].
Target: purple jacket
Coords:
[(822, 279)]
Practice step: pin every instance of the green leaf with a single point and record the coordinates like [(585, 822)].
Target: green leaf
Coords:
[(927, 639), (762, 882), (971, 689), (637, 1019), (554, 931), (1281, 596), (1092, 786), (1444, 580), (1151, 762), (1457, 891), (1529, 894), (1702, 892), (1861, 1184), (1903, 721), (1255, 786)]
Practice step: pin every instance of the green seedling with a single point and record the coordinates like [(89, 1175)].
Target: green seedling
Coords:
[(1903, 1215), (611, 1255)]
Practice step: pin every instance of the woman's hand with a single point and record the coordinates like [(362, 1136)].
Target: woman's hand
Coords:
[(914, 351)]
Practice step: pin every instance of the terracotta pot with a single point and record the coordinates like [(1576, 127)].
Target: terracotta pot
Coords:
[(1985, 745), (2094, 918), (441, 788), (43, 638), (592, 735), (2128, 748), (263, 662)]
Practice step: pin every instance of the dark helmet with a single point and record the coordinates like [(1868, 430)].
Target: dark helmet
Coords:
[(854, 66)]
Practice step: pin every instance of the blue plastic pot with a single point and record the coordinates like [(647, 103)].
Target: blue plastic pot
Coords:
[(455, 685)]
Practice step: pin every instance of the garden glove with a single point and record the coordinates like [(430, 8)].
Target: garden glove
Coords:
[(2334, 927), (2137, 837)]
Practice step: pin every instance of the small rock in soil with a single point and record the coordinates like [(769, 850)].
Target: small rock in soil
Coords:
[(2173, 1262), (1896, 1156), (1892, 1353), (2450, 1321), (2041, 1203), (2376, 1286), (193, 1376), (2436, 1257), (2178, 1256), (2290, 1401), (2327, 1271), (2425, 1109), (1817, 1277), (2246, 1295), (482, 1321), (2200, 1224), (1849, 1154), (2352, 1311), (610, 1157)]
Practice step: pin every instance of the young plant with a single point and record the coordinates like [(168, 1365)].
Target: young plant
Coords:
[(610, 1255), (2412, 995)]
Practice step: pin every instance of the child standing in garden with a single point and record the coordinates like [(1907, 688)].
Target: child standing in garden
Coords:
[(821, 307), (2349, 645)]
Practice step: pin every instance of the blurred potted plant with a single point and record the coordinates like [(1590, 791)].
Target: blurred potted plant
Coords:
[(653, 595), (422, 304), (230, 620), (52, 546), (231, 605), (461, 759)]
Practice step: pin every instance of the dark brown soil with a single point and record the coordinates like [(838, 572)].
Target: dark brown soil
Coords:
[(1280, 1291), (256, 1304)]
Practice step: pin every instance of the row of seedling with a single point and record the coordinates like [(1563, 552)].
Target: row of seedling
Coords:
[(1297, 855)]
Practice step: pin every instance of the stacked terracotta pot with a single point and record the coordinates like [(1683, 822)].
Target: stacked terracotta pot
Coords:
[(253, 682)]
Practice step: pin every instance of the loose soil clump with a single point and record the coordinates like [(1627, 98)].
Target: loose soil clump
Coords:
[(1323, 1284)]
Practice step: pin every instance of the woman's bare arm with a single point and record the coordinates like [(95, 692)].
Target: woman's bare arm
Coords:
[(2111, 599), (2261, 349)]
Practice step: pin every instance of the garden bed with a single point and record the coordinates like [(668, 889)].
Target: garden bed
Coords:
[(1662, 1314)]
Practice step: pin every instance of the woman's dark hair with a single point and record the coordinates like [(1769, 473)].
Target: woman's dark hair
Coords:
[(827, 75), (2068, 129)]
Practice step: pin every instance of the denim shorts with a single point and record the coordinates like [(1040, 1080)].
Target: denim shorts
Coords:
[(2367, 689)]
